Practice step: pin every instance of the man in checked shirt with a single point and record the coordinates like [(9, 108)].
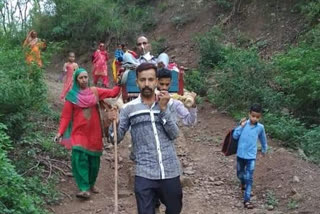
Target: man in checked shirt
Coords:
[(153, 131)]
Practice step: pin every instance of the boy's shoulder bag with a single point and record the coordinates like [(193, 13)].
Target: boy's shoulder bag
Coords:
[(229, 145)]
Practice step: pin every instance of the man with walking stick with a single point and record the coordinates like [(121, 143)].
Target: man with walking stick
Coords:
[(153, 132)]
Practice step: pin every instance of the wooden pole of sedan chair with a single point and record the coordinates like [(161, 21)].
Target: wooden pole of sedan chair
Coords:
[(115, 167)]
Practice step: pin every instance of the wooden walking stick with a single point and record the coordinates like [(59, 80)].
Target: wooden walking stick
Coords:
[(112, 105), (115, 167)]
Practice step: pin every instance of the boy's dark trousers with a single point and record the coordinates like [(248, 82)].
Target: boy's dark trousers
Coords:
[(147, 192)]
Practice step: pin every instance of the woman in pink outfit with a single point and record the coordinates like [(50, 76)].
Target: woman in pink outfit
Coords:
[(100, 70), (68, 69)]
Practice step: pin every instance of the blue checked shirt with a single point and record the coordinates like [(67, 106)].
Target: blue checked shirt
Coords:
[(153, 133)]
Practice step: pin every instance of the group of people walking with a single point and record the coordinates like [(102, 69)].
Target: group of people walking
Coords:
[(151, 119), (99, 61)]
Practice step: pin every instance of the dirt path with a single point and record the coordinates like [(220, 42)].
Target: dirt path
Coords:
[(282, 180)]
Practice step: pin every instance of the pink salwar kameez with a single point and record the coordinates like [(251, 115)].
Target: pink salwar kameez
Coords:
[(100, 68)]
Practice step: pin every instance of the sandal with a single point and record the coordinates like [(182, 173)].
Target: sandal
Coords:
[(94, 190), (248, 205), (83, 195)]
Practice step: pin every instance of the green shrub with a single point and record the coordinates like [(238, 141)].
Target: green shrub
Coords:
[(14, 194), (32, 145), (312, 37), (59, 23), (105, 20), (288, 88), (224, 4), (271, 199), (23, 93), (159, 45), (46, 190), (5, 142), (180, 20), (22, 88), (310, 143), (163, 6), (149, 25), (285, 128), (195, 81), (298, 74), (312, 11), (242, 79), (242, 39), (293, 204), (211, 48)]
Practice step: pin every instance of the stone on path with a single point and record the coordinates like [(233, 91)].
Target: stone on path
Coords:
[(296, 179)]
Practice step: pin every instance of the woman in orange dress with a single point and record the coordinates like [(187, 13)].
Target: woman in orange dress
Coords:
[(35, 45)]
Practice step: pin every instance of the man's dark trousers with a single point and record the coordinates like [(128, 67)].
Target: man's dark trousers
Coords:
[(147, 191)]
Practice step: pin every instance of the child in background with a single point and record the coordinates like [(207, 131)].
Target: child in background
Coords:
[(68, 69), (247, 134)]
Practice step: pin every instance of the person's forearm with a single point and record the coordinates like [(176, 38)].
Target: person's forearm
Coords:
[(108, 93), (263, 141), (190, 118)]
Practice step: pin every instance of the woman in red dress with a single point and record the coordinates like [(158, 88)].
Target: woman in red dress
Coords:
[(100, 69), (80, 130)]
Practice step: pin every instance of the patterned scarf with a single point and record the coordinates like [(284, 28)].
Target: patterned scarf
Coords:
[(84, 98)]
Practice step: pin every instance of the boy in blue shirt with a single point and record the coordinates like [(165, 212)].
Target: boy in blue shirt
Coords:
[(247, 134)]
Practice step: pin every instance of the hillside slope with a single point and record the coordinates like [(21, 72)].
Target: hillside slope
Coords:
[(284, 182), (272, 25)]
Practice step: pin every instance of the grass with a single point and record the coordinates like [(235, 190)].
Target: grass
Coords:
[(271, 199), (163, 6), (293, 204)]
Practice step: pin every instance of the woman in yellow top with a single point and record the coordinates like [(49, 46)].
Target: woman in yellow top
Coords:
[(34, 45)]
